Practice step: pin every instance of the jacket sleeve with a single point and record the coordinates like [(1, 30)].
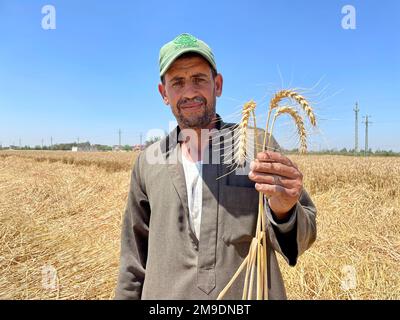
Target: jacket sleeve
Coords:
[(134, 240), (291, 238)]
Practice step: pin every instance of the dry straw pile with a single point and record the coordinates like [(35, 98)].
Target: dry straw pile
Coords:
[(357, 252), (60, 220)]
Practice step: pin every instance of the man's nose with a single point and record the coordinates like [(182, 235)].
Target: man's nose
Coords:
[(190, 91)]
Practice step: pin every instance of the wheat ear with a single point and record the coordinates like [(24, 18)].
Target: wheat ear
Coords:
[(299, 99), (274, 103), (240, 150), (299, 124)]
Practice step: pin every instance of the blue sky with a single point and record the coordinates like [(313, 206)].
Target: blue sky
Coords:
[(97, 72)]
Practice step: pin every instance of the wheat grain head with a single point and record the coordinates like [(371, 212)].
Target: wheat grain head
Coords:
[(240, 146), (298, 98), (298, 122)]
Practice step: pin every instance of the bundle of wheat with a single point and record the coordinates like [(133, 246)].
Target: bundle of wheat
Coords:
[(256, 260)]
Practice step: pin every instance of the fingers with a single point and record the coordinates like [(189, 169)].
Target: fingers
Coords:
[(278, 178), (277, 191), (272, 179), (273, 184), (276, 175), (275, 168), (269, 190), (271, 156)]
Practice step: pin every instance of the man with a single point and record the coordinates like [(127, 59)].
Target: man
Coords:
[(189, 220)]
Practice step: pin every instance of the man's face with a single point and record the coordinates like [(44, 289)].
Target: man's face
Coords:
[(191, 91)]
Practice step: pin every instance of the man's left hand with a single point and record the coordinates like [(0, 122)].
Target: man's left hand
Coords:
[(279, 179)]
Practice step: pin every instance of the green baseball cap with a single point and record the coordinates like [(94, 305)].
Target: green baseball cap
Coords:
[(183, 43)]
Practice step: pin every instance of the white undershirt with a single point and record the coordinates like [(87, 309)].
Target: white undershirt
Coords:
[(194, 184), (194, 188)]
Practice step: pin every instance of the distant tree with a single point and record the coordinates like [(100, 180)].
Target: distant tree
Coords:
[(101, 147), (152, 140), (127, 147)]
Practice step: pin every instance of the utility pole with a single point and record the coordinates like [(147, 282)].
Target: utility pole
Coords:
[(42, 143), (367, 122), (78, 140), (141, 135), (356, 110), (119, 133), (20, 143), (51, 142)]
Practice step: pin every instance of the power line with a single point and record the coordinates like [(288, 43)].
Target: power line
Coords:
[(119, 133), (356, 110), (367, 122)]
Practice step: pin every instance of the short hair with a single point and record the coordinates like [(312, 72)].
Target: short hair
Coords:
[(187, 55)]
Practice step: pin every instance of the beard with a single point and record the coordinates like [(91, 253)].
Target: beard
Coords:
[(197, 119)]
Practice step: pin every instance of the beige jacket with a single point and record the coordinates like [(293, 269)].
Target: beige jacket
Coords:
[(161, 258)]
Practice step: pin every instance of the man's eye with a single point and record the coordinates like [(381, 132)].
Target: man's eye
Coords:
[(177, 84), (199, 80)]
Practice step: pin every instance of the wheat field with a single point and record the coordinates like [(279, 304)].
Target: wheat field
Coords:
[(60, 215)]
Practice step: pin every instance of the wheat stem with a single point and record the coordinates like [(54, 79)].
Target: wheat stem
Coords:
[(264, 241), (252, 263), (239, 270), (246, 279)]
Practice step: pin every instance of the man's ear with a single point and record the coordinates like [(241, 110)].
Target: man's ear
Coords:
[(218, 81), (161, 89)]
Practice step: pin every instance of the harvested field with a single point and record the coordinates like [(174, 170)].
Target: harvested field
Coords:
[(60, 217)]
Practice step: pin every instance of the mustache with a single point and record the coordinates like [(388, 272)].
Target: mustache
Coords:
[(197, 99)]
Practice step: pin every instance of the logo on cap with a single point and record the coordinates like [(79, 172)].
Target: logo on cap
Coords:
[(185, 41)]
